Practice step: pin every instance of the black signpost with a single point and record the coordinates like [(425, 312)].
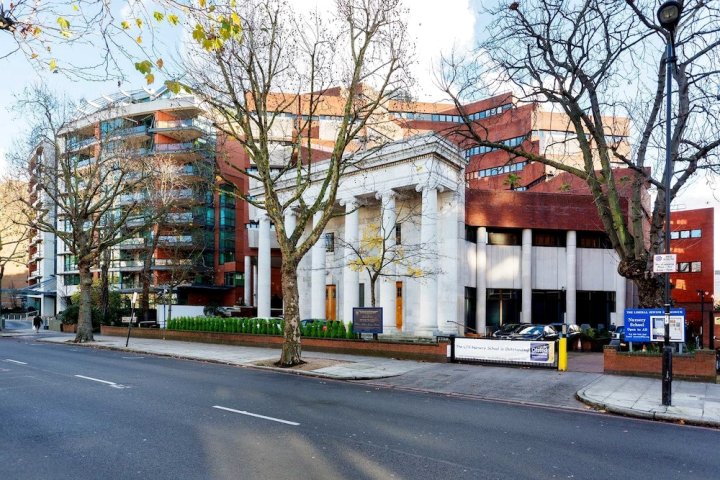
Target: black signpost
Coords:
[(368, 320)]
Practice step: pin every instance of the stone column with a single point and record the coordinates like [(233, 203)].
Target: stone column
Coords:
[(620, 299), (317, 295), (571, 279), (387, 280), (428, 239), (264, 275), (481, 280), (247, 292), (350, 277), (526, 276)]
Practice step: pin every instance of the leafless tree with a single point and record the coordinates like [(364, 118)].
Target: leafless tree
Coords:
[(601, 64), (283, 62), (95, 185)]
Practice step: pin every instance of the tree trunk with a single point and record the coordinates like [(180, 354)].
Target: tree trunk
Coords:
[(291, 349), (84, 327), (105, 287), (651, 291)]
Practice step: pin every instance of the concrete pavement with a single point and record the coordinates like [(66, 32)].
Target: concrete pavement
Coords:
[(692, 402)]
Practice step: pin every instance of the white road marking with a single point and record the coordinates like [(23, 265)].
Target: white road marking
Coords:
[(133, 358), (112, 384), (242, 412), (15, 361)]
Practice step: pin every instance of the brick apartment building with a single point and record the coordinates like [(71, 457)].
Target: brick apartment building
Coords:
[(692, 240)]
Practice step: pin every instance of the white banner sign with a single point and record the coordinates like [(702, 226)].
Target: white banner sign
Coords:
[(511, 351)]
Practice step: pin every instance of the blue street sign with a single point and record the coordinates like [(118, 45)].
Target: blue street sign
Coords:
[(648, 324)]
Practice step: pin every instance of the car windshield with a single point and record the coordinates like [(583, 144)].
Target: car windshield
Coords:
[(531, 330)]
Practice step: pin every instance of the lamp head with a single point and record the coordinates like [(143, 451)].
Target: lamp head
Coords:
[(669, 14)]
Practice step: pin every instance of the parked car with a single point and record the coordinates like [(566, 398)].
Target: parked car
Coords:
[(507, 329), (572, 332), (308, 321), (535, 332), (619, 333), (228, 311)]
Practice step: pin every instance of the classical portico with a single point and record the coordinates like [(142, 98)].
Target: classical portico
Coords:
[(413, 190)]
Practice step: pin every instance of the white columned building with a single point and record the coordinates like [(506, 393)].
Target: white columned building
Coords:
[(423, 175), (248, 281), (571, 276), (317, 305), (481, 250), (388, 294), (264, 272), (350, 291), (526, 272)]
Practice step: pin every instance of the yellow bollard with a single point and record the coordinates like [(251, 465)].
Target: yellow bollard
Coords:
[(562, 355)]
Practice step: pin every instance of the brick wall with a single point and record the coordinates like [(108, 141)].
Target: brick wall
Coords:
[(409, 351), (692, 366)]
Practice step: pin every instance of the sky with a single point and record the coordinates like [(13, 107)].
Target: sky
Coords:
[(435, 26)]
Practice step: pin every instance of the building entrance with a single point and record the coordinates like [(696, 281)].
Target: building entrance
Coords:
[(330, 302)]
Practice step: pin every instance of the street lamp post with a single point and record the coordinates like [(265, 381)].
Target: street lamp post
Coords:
[(669, 15)]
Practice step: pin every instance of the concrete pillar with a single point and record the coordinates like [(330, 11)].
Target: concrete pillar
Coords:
[(350, 293), (526, 276), (428, 239), (620, 300), (264, 274), (571, 279), (247, 291), (387, 281), (481, 280), (317, 295)]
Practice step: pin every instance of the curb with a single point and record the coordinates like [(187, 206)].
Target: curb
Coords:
[(307, 373), (654, 416)]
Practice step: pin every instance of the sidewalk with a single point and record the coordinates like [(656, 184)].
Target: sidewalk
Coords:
[(692, 403)]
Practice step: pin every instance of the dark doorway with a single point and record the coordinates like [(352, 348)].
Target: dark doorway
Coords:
[(548, 306), (503, 306), (594, 308), (471, 310)]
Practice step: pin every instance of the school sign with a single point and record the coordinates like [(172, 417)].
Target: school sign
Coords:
[(648, 325)]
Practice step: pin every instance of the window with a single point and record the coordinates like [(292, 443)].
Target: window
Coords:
[(504, 237), (696, 267), (234, 279), (471, 233), (72, 279), (683, 267), (330, 242), (398, 234), (695, 233), (548, 238), (491, 172), (593, 240)]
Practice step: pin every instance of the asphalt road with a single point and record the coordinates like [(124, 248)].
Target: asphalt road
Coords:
[(80, 413)]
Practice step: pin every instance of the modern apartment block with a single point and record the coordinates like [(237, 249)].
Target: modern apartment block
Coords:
[(42, 280), (170, 132)]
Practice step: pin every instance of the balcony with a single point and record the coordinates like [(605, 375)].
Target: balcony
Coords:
[(186, 151), (185, 218), (175, 240), (127, 265), (130, 198), (185, 130), (81, 145), (131, 244), (137, 131), (172, 263)]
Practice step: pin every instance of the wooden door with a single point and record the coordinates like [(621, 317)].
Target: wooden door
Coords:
[(330, 302), (399, 305)]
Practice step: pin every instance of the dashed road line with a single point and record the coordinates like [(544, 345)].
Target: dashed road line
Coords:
[(112, 384), (15, 361), (242, 412)]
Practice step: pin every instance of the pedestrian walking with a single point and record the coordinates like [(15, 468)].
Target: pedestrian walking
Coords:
[(37, 323)]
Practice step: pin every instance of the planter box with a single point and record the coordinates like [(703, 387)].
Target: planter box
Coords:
[(68, 328), (699, 366), (433, 352)]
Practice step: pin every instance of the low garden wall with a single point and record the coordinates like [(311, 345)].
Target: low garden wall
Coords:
[(432, 352), (699, 366)]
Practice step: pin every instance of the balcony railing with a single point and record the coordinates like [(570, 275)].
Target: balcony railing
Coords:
[(176, 147), (179, 218), (127, 264), (175, 240), (126, 132), (132, 243), (80, 144)]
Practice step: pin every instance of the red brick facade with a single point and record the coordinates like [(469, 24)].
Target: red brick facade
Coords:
[(695, 366), (693, 237)]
